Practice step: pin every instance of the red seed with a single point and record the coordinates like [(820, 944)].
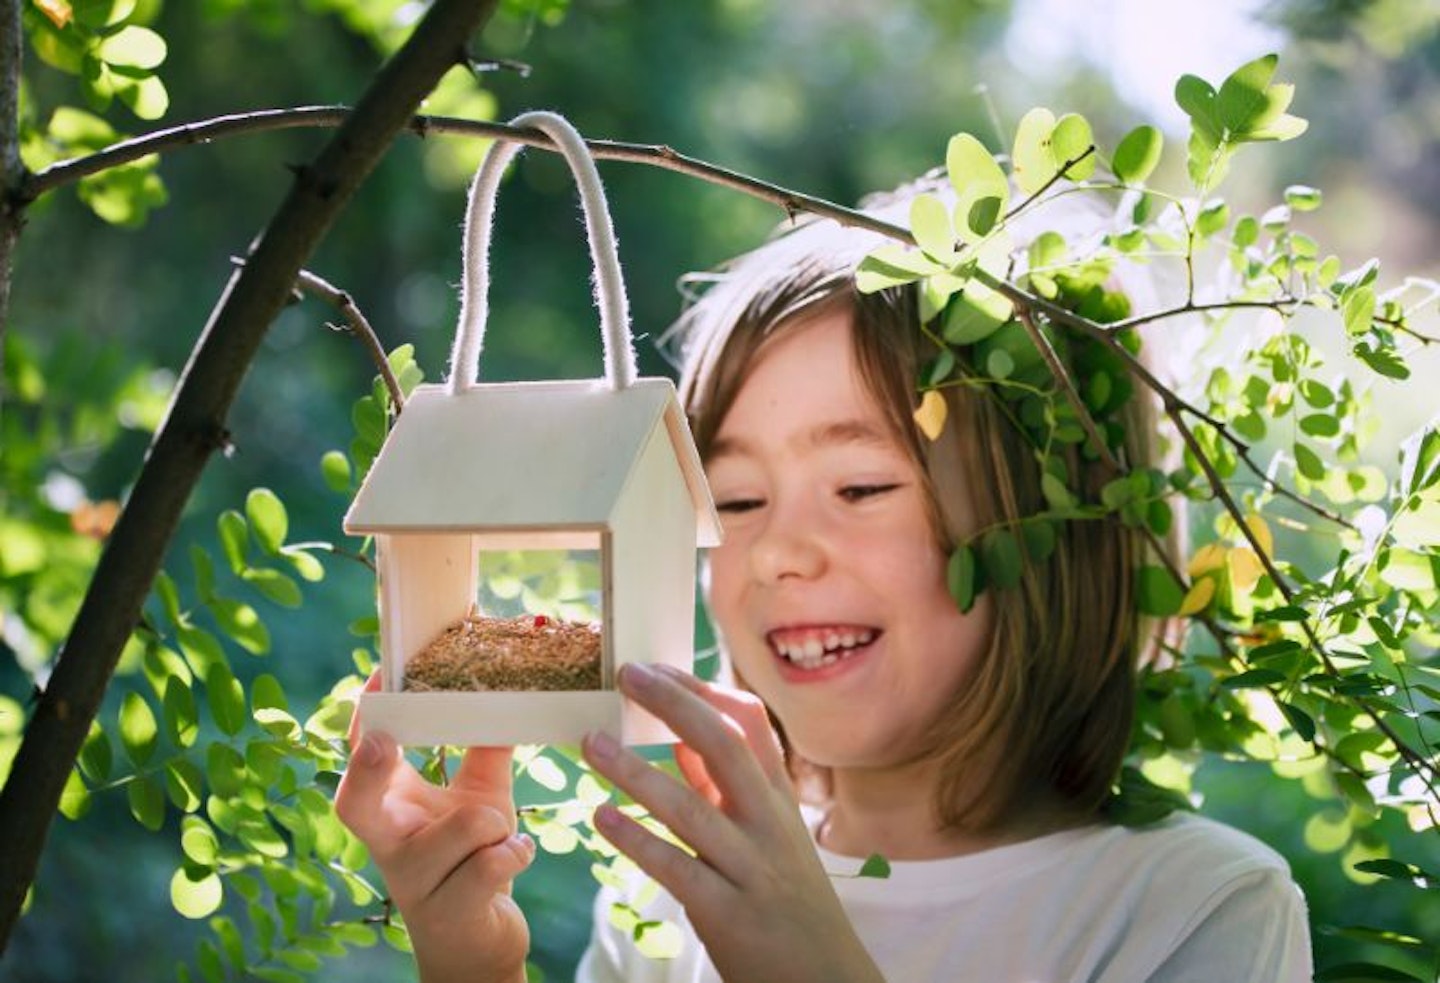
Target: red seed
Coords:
[(541, 621)]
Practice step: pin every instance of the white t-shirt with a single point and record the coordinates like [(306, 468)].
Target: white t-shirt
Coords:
[(1186, 900)]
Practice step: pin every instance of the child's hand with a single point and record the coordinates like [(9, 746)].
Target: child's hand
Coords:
[(448, 855), (755, 890)]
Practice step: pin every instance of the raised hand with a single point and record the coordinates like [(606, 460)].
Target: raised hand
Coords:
[(754, 889), (448, 856)]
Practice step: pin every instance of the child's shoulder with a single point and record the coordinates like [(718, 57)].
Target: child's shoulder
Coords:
[(1190, 841)]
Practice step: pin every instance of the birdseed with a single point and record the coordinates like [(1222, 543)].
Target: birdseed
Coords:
[(531, 652)]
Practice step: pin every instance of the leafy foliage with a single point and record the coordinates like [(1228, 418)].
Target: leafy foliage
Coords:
[(1321, 668), (1321, 665)]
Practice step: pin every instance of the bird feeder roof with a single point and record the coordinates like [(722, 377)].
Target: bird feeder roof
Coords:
[(524, 456)]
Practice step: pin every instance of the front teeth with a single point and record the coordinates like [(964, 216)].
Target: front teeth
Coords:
[(812, 653)]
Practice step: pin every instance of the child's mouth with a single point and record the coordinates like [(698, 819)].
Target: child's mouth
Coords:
[(813, 648)]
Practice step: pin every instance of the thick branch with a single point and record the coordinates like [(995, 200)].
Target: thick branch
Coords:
[(12, 171), (195, 426)]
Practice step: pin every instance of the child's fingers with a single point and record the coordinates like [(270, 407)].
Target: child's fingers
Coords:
[(371, 685), (486, 772), (682, 809), (724, 744), (423, 863), (360, 799), (745, 709), (688, 880)]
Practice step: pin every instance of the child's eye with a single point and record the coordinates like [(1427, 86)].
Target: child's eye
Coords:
[(735, 506), (856, 493)]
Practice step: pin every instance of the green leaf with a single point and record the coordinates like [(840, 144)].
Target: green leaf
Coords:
[(1138, 154), (305, 564), (196, 893), (1197, 98), (1320, 425), (1030, 158), (242, 623), (980, 185), (1359, 311), (1302, 198), (96, 755), (875, 865), (1070, 142), (182, 719), (138, 732), (960, 577), (1002, 559), (234, 539), (1244, 101), (1157, 592), (266, 691), (147, 802), (227, 699), (335, 469), (975, 314), (198, 841), (930, 224), (267, 518), (225, 769), (1383, 361), (1301, 721), (1309, 463), (184, 783), (1253, 678), (1057, 495), (74, 798), (133, 47), (274, 585)]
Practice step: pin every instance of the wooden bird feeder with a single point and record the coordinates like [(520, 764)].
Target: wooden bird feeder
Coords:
[(606, 466)]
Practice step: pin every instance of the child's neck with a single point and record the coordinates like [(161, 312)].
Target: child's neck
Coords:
[(891, 812)]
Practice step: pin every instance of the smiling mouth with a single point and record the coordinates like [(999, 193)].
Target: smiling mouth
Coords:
[(812, 648)]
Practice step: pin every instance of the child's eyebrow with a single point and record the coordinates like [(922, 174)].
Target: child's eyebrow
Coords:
[(835, 433)]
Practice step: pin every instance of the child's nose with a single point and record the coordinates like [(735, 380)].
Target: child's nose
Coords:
[(786, 550)]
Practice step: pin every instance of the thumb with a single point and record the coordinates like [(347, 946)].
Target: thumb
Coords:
[(360, 798)]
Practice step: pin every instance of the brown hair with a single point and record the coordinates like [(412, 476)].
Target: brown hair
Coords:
[(1048, 708)]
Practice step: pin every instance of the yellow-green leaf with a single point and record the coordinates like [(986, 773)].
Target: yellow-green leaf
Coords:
[(1138, 154), (196, 895), (1031, 158), (133, 47), (138, 731), (980, 185)]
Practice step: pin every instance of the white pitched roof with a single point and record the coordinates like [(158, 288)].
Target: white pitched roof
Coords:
[(522, 456)]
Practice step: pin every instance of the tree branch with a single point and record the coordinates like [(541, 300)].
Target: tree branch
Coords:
[(195, 426), (12, 171), (357, 325)]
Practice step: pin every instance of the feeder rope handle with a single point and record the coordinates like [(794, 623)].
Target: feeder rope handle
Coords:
[(480, 223)]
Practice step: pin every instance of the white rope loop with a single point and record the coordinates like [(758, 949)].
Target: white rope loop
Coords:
[(480, 224)]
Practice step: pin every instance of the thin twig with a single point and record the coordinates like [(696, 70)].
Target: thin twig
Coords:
[(1055, 178), (357, 325), (1277, 305), (1062, 378)]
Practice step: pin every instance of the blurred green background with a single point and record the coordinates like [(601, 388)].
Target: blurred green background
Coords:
[(832, 97)]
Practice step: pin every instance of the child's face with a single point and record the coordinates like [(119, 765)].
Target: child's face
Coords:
[(829, 591)]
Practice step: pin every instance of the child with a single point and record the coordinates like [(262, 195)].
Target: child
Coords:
[(975, 749)]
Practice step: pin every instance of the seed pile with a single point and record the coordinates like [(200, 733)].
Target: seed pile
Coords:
[(531, 652)]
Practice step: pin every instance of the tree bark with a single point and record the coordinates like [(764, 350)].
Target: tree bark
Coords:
[(12, 172), (194, 427)]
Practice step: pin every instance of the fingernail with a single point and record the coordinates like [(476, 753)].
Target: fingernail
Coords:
[(603, 746), (607, 816), (373, 747), (526, 843), (637, 675)]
